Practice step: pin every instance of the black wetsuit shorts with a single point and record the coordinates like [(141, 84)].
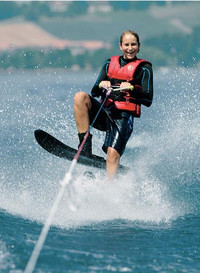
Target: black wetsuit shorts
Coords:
[(118, 125)]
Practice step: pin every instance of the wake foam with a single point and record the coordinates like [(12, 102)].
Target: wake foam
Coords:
[(133, 197)]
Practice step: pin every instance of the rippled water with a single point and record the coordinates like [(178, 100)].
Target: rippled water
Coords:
[(147, 221)]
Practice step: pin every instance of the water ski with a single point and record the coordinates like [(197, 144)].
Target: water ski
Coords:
[(58, 148)]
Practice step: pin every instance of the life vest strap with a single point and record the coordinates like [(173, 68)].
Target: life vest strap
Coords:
[(126, 105), (134, 108)]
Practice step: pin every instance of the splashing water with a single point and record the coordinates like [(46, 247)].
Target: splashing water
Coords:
[(163, 155)]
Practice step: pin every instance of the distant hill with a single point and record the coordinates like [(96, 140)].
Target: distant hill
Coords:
[(18, 35), (107, 26), (169, 35), (29, 35)]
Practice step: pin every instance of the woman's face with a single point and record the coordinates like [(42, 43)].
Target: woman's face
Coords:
[(129, 46)]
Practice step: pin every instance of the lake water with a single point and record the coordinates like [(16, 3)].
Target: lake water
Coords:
[(146, 221)]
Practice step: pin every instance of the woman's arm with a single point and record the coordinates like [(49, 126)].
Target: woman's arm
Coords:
[(144, 94), (96, 91)]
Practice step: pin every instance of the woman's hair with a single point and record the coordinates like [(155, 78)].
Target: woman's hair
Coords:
[(130, 32)]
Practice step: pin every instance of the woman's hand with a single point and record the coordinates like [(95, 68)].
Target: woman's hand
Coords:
[(125, 84), (105, 84)]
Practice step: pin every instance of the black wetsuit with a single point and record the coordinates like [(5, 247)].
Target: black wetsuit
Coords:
[(119, 124)]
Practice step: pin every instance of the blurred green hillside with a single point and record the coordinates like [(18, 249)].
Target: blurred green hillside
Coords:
[(107, 26), (169, 31)]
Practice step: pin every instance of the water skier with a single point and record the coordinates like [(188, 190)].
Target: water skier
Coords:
[(117, 116)]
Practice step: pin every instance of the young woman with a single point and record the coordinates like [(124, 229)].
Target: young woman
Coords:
[(116, 118)]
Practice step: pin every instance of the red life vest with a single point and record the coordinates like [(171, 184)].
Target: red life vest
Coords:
[(125, 73)]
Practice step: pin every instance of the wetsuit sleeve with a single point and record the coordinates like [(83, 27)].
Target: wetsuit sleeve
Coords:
[(144, 93), (96, 91)]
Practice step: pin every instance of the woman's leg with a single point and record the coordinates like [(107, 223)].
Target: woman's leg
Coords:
[(82, 105), (112, 162)]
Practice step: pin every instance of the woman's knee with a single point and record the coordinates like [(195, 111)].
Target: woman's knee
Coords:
[(112, 155), (82, 98)]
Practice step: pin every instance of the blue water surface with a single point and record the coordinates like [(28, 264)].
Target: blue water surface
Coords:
[(146, 221)]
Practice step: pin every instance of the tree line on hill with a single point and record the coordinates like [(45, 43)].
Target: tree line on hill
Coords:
[(181, 50), (163, 50), (34, 10)]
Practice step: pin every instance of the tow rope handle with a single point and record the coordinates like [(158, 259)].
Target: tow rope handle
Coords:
[(113, 89)]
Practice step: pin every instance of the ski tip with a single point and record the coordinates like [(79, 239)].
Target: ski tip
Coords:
[(39, 132), (40, 135)]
